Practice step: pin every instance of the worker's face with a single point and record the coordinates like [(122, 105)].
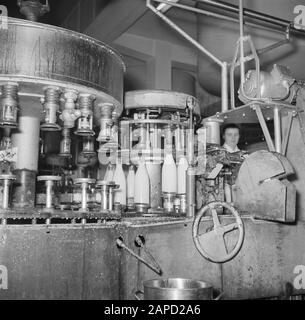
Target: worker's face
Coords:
[(231, 137)]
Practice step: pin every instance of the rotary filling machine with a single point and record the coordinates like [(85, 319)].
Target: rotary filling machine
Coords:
[(95, 200)]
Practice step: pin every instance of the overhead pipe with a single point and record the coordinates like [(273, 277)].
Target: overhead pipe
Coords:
[(213, 14), (253, 15)]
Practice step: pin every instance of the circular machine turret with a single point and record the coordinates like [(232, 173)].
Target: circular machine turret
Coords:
[(157, 137), (58, 82)]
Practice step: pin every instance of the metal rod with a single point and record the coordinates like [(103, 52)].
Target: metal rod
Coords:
[(147, 252), (84, 196), (250, 13), (232, 77), (190, 142), (122, 245), (287, 133), (190, 193), (277, 130), (241, 42), (197, 10), (224, 88), (272, 46), (217, 15), (183, 33), (104, 198), (49, 185), (110, 199), (264, 127), (242, 61), (6, 190)]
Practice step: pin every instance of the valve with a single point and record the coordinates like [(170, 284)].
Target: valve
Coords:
[(106, 121), (65, 144), (85, 121), (215, 237), (70, 114)]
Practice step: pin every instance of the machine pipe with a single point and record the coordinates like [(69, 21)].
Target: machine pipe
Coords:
[(221, 16), (183, 33)]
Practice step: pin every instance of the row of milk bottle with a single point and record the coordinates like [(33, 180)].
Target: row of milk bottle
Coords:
[(136, 188)]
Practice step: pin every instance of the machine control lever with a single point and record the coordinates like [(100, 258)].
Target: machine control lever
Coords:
[(141, 243), (153, 266)]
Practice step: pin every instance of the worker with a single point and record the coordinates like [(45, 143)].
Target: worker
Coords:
[(231, 135)]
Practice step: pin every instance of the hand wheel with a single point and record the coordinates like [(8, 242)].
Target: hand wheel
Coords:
[(215, 237)]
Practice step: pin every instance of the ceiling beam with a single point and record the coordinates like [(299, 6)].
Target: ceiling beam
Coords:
[(116, 18)]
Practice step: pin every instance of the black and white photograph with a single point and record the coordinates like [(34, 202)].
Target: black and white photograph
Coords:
[(152, 153)]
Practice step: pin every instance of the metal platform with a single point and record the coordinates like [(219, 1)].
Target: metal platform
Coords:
[(247, 112)]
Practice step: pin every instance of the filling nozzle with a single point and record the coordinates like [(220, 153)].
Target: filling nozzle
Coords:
[(143, 138), (88, 148), (85, 121), (106, 122), (70, 114), (65, 143)]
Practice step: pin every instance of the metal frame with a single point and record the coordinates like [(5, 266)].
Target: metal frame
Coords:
[(240, 44), (278, 145)]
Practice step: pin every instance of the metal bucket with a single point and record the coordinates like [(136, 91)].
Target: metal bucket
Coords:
[(177, 289)]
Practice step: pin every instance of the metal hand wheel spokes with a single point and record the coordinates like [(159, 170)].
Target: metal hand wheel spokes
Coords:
[(216, 235)]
